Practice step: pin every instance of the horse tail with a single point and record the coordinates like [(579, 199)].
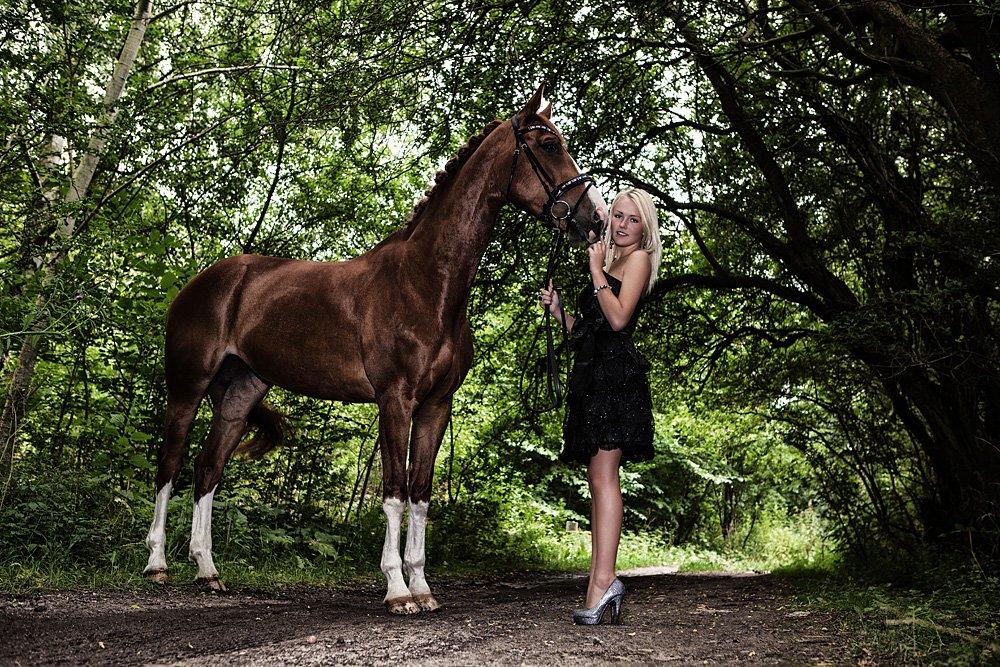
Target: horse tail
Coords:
[(272, 428)]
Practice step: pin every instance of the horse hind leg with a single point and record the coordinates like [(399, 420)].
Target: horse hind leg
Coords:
[(181, 410), (235, 392), (429, 424)]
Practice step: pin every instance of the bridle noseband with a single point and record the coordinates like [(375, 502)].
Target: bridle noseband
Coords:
[(556, 209)]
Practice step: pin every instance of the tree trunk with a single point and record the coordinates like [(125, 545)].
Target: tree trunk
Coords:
[(964, 459), (970, 101), (20, 376), (13, 409), (947, 384)]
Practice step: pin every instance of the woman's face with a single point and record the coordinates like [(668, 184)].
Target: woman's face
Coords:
[(626, 224)]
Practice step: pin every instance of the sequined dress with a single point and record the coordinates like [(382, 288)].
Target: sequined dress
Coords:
[(608, 405)]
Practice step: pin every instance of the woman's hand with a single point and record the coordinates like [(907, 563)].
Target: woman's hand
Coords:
[(596, 252), (548, 298)]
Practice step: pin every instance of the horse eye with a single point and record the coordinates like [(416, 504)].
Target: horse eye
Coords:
[(551, 147)]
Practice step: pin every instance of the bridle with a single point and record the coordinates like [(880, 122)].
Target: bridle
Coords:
[(556, 210)]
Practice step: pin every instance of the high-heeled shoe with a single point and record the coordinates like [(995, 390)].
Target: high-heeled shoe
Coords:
[(610, 601)]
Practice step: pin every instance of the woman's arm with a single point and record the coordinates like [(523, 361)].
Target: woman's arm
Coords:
[(618, 310)]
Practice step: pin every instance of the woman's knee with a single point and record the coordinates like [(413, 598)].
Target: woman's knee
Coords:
[(602, 473), (601, 480)]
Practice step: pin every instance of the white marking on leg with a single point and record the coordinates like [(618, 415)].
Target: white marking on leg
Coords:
[(201, 537), (391, 563), (156, 540), (415, 557)]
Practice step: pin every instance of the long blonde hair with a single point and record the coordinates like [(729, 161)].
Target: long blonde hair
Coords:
[(650, 241)]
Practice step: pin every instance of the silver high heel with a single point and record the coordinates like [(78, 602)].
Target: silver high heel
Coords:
[(612, 599)]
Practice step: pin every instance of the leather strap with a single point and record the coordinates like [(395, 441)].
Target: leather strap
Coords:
[(555, 193)]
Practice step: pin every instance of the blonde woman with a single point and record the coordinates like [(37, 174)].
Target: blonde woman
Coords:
[(609, 415)]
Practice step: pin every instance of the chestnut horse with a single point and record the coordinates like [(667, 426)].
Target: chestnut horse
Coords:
[(389, 327)]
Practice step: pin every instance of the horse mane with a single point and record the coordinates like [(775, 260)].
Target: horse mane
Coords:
[(452, 167), (441, 179)]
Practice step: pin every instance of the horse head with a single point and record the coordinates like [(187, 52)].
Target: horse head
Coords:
[(545, 180)]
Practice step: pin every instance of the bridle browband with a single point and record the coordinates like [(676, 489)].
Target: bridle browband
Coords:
[(552, 215)]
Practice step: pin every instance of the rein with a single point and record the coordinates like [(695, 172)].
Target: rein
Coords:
[(552, 216), (553, 382)]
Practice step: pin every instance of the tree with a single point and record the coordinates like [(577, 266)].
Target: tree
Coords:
[(832, 167), (48, 260), (908, 117)]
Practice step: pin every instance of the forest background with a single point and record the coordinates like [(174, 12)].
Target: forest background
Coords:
[(823, 335)]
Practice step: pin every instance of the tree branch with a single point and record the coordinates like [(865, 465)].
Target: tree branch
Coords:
[(774, 246), (738, 282), (282, 132), (802, 260), (220, 70), (880, 63), (659, 130)]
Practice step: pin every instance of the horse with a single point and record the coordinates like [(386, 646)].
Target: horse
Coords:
[(388, 327)]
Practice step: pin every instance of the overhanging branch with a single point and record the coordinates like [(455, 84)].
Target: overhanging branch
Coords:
[(738, 282)]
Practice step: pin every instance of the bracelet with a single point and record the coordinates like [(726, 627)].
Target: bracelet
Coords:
[(598, 289)]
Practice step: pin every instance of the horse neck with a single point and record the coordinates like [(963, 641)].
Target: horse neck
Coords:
[(456, 226)]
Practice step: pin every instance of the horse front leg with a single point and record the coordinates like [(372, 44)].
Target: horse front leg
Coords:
[(395, 414), (429, 424)]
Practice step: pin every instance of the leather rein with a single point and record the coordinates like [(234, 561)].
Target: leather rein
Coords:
[(556, 214)]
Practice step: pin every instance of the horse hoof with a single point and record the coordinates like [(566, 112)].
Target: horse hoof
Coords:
[(156, 576), (211, 585), (402, 606), (426, 602)]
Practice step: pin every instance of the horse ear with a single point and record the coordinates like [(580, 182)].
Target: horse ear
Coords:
[(531, 107), (547, 111)]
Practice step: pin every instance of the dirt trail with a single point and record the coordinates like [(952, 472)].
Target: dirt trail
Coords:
[(519, 618)]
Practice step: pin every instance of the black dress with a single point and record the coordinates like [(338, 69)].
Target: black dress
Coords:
[(608, 405)]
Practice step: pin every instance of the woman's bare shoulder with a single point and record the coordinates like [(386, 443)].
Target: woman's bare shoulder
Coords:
[(638, 262)]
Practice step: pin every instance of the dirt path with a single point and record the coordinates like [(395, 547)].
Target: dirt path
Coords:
[(521, 618)]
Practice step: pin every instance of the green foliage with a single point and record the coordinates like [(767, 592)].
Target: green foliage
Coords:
[(790, 426)]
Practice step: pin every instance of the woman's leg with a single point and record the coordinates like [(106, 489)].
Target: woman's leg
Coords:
[(605, 521)]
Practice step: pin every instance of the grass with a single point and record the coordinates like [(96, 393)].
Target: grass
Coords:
[(913, 612), (474, 538), (533, 548), (35, 577), (571, 551)]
